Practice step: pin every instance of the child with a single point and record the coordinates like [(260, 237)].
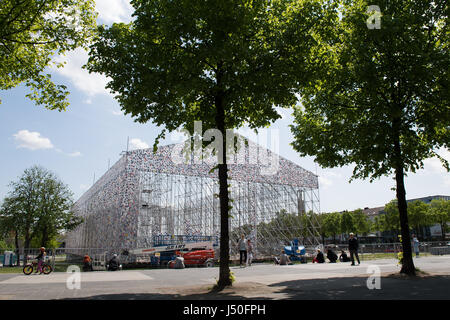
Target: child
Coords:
[(40, 258)]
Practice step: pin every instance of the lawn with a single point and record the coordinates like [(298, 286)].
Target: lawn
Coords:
[(11, 269)]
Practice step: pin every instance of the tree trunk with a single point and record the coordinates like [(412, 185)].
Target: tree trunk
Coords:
[(44, 238), (443, 231), (224, 272), (16, 243), (26, 247), (408, 264)]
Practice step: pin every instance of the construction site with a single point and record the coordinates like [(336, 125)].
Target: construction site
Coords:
[(148, 199)]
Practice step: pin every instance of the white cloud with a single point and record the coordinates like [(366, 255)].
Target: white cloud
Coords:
[(32, 140), (74, 154), (434, 165), (89, 83), (136, 143), (84, 187), (327, 178), (118, 113), (111, 11), (325, 182)]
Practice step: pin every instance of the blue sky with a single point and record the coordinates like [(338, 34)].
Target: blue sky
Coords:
[(78, 143)]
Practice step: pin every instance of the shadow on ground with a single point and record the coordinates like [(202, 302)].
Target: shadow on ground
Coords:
[(392, 288)]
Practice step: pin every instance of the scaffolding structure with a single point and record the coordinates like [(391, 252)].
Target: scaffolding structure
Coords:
[(146, 197)]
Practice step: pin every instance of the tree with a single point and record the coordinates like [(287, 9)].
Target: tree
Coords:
[(333, 223), (31, 33), (391, 219), (347, 222), (361, 222), (226, 63), (380, 98), (11, 222), (377, 224), (38, 207), (322, 226), (440, 213), (418, 215)]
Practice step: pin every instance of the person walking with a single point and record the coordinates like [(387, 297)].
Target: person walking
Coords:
[(415, 243), (249, 252), (242, 250), (353, 248)]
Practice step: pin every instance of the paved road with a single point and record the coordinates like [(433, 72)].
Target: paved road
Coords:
[(263, 281)]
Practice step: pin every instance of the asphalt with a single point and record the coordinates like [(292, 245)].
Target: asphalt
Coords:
[(260, 281)]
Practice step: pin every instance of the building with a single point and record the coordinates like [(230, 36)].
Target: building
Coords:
[(428, 232), (147, 198)]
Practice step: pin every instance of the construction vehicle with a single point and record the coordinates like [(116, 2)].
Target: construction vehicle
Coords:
[(202, 257), (295, 251), (194, 253)]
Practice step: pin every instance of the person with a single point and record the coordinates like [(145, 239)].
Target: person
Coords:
[(284, 259), (179, 262), (353, 248), (242, 250), (113, 264), (332, 256), (40, 258), (276, 260), (415, 245), (249, 252), (87, 263), (343, 257), (319, 257)]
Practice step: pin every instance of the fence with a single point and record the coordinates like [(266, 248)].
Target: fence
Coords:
[(61, 258), (390, 250)]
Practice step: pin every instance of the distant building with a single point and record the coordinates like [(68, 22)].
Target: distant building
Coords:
[(428, 232)]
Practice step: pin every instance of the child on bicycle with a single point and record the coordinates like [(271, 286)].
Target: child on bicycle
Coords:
[(40, 258)]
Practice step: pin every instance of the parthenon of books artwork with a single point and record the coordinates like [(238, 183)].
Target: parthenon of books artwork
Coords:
[(148, 198)]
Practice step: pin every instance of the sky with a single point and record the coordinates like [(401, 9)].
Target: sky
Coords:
[(79, 144)]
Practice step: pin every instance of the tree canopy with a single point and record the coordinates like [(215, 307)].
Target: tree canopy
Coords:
[(380, 97), (440, 213), (38, 207), (227, 63), (31, 33)]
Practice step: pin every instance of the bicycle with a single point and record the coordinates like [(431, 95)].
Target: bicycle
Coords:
[(29, 268)]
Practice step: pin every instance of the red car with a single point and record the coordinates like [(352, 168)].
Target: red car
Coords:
[(199, 257)]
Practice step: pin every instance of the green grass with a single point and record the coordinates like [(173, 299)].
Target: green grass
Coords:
[(389, 255), (11, 269)]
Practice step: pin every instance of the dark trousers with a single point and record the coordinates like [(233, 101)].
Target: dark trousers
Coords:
[(354, 252), (243, 254)]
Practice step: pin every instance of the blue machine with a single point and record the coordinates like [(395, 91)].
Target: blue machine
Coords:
[(295, 251)]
